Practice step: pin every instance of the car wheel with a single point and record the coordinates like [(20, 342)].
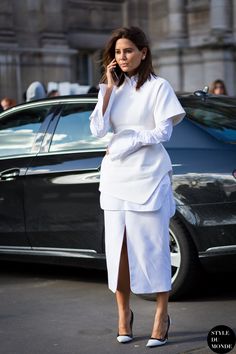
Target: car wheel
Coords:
[(184, 261)]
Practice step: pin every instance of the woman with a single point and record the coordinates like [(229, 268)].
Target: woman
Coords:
[(135, 181), (217, 87)]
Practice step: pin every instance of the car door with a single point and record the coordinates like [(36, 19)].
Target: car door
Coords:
[(62, 197), (21, 131)]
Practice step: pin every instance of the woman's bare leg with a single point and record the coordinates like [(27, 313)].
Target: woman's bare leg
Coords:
[(123, 291), (161, 315)]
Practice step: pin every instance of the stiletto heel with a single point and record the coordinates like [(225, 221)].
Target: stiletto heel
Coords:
[(155, 342), (125, 338)]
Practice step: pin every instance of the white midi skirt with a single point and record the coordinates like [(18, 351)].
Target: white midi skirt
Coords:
[(147, 236)]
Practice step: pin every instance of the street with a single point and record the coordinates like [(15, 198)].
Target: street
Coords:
[(63, 310)]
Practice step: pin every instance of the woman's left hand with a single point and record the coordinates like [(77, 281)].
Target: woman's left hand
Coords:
[(123, 143)]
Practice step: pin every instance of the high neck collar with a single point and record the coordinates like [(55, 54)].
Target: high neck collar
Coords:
[(132, 80)]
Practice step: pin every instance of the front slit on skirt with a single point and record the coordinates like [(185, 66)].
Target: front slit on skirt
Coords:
[(147, 236)]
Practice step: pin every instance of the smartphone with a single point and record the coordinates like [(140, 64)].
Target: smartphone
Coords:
[(116, 73)]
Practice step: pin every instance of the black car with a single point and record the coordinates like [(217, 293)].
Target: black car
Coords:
[(49, 175)]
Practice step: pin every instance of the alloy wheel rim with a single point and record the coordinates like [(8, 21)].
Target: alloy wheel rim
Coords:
[(175, 255)]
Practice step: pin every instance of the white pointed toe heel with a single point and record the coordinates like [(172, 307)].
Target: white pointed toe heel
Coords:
[(156, 342), (125, 338)]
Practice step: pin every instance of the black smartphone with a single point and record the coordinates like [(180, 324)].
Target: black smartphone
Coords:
[(116, 73)]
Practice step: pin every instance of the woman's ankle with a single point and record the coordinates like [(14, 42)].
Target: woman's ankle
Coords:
[(161, 316)]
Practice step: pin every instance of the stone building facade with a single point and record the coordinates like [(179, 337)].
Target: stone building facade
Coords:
[(193, 41)]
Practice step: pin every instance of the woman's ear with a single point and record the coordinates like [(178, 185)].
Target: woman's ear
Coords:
[(144, 53)]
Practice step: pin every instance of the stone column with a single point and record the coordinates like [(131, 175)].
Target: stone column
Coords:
[(52, 23), (177, 19), (220, 16), (7, 33), (53, 38), (168, 56), (234, 18)]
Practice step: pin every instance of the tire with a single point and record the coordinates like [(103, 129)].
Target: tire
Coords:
[(184, 261)]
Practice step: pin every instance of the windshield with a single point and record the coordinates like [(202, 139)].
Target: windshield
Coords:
[(216, 115)]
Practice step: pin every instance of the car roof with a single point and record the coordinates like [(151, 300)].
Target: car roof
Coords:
[(93, 96), (56, 99)]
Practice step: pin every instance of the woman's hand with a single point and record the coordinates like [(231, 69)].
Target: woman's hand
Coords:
[(123, 144), (111, 81), (107, 151)]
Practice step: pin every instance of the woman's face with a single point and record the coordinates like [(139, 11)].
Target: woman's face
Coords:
[(128, 56), (219, 89)]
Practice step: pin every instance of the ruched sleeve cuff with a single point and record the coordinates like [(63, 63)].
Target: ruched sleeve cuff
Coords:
[(128, 141), (99, 122), (154, 136)]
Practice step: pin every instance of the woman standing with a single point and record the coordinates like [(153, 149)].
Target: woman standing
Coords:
[(135, 183)]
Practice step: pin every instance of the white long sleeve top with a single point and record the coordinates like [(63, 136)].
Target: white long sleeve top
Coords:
[(140, 120)]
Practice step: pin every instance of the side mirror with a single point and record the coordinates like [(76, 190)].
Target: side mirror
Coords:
[(202, 93)]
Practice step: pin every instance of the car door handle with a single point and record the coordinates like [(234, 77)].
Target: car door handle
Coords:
[(9, 175)]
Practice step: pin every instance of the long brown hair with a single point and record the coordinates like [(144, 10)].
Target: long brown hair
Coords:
[(138, 37)]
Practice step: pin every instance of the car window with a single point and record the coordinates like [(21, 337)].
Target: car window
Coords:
[(73, 130), (215, 115), (18, 130)]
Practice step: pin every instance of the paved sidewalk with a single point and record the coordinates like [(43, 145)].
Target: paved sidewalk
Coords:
[(55, 310)]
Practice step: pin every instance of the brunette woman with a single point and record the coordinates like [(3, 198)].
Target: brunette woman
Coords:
[(141, 108)]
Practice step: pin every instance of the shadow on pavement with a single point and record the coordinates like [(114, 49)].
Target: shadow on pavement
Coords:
[(28, 270), (212, 287)]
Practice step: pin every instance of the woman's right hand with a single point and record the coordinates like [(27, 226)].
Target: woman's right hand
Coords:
[(111, 81)]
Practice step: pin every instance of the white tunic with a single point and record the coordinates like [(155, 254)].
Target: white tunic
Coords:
[(137, 161), (136, 192)]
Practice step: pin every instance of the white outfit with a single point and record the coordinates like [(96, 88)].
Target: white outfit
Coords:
[(135, 181)]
